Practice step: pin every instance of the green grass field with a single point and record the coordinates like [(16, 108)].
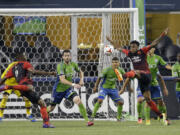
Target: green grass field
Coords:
[(79, 128)]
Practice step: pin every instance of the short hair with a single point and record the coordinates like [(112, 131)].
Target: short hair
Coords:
[(18, 53), (66, 51), (115, 58), (135, 42)]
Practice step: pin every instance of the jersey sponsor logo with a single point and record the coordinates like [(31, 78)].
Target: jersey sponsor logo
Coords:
[(136, 59)]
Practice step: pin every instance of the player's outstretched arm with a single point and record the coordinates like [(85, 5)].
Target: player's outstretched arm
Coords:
[(38, 72), (165, 90), (157, 40), (114, 44), (96, 85), (124, 86), (64, 81)]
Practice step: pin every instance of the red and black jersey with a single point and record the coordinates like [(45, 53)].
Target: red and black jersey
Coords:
[(20, 72), (139, 59)]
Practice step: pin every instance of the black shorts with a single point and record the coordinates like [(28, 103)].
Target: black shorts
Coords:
[(144, 82), (31, 95)]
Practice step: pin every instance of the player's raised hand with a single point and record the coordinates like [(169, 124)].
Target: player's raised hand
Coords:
[(166, 31)]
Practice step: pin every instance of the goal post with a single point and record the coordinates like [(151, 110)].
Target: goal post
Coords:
[(44, 33)]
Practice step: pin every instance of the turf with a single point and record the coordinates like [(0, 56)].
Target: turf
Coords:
[(80, 128)]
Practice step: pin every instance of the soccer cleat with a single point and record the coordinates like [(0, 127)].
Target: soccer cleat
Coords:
[(48, 126), (1, 119), (163, 119), (140, 121), (148, 122), (31, 118), (90, 123)]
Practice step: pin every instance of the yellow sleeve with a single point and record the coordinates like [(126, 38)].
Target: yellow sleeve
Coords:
[(6, 70)]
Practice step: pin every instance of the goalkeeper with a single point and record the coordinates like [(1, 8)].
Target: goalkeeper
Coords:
[(12, 81)]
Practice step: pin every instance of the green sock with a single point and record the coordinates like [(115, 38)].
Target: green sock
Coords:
[(119, 111), (139, 109), (96, 107), (162, 109), (83, 112), (147, 112)]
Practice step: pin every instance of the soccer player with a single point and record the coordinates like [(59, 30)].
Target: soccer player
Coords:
[(22, 72), (64, 87), (12, 81), (156, 95), (108, 87), (176, 73), (141, 70)]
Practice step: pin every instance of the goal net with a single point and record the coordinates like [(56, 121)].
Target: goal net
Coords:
[(44, 33)]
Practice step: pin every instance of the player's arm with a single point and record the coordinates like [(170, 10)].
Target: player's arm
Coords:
[(124, 86), (81, 74), (164, 63), (175, 74), (165, 90), (168, 67), (64, 81), (96, 84), (30, 68), (38, 72), (157, 40), (114, 44)]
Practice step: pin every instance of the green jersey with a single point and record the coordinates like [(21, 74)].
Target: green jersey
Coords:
[(109, 77), (68, 71), (176, 73), (153, 62)]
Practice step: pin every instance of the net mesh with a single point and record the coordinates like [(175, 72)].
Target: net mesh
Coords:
[(43, 38)]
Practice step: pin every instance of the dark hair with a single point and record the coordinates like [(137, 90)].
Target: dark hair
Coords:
[(135, 42), (115, 58), (18, 53), (66, 51)]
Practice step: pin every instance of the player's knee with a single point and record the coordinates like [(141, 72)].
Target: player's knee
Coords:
[(100, 101), (140, 100), (77, 100)]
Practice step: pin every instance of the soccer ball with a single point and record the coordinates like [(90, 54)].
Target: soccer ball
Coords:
[(108, 49)]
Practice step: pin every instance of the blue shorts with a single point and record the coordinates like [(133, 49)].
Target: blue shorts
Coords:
[(178, 96), (57, 97), (113, 93), (139, 93), (155, 92)]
